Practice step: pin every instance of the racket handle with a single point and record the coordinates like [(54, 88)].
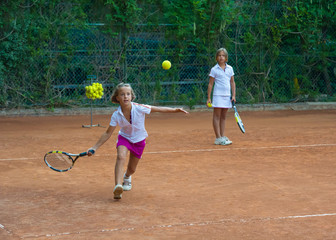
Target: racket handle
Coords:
[(85, 153)]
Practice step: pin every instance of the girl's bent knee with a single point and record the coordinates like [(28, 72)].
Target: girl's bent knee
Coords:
[(121, 158)]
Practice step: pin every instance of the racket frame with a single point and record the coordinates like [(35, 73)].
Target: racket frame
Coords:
[(238, 119), (71, 156)]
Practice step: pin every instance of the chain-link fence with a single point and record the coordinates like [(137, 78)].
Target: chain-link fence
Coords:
[(135, 56)]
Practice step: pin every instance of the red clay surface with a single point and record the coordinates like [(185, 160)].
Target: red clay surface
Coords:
[(277, 181)]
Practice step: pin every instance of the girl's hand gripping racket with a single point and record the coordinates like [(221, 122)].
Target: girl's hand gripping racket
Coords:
[(238, 119), (62, 161)]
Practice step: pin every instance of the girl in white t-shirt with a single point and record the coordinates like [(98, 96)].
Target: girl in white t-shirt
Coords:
[(224, 92), (130, 117)]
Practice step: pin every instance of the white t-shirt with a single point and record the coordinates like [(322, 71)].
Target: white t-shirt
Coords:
[(136, 131), (222, 80)]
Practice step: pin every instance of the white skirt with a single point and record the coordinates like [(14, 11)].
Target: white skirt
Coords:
[(219, 101)]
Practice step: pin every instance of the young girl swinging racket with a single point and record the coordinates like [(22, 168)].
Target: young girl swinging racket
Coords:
[(130, 116)]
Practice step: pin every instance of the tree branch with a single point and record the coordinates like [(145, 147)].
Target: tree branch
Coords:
[(1, 39)]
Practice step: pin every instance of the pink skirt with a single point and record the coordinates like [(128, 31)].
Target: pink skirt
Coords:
[(135, 148)]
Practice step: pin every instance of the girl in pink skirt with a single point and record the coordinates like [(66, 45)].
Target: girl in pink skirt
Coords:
[(130, 116)]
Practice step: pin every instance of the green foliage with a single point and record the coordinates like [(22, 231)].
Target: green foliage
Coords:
[(46, 44), (34, 35)]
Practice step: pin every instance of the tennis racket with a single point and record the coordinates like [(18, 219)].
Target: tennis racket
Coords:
[(62, 161), (238, 119)]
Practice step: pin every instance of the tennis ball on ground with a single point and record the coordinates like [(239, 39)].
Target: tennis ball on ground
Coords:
[(166, 64), (209, 105)]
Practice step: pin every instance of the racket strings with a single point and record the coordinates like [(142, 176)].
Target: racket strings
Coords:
[(59, 161)]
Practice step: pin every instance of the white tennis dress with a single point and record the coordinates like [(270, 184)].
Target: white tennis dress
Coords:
[(222, 89)]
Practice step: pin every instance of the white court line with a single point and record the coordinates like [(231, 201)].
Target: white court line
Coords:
[(203, 150), (175, 225), (245, 148), (15, 159)]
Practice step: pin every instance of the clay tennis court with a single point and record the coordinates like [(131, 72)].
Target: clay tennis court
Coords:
[(277, 181)]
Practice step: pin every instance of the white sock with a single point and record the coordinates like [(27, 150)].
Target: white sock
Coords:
[(126, 176)]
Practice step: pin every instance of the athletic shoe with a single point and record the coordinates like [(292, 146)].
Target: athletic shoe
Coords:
[(227, 141), (223, 141), (127, 184), (118, 191), (218, 141)]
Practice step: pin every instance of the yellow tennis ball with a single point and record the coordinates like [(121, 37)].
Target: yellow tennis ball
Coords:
[(209, 105), (166, 65)]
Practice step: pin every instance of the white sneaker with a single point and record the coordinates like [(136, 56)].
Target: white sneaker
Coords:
[(223, 141), (218, 141), (227, 140), (118, 190), (127, 184)]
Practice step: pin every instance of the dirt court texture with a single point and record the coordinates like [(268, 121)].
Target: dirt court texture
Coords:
[(276, 181)]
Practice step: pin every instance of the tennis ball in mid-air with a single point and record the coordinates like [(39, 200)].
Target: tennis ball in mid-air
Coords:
[(209, 105), (166, 64)]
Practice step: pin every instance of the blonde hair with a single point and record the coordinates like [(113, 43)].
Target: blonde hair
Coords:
[(116, 92), (225, 53)]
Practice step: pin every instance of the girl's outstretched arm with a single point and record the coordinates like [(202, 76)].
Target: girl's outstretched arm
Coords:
[(167, 109), (104, 137)]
